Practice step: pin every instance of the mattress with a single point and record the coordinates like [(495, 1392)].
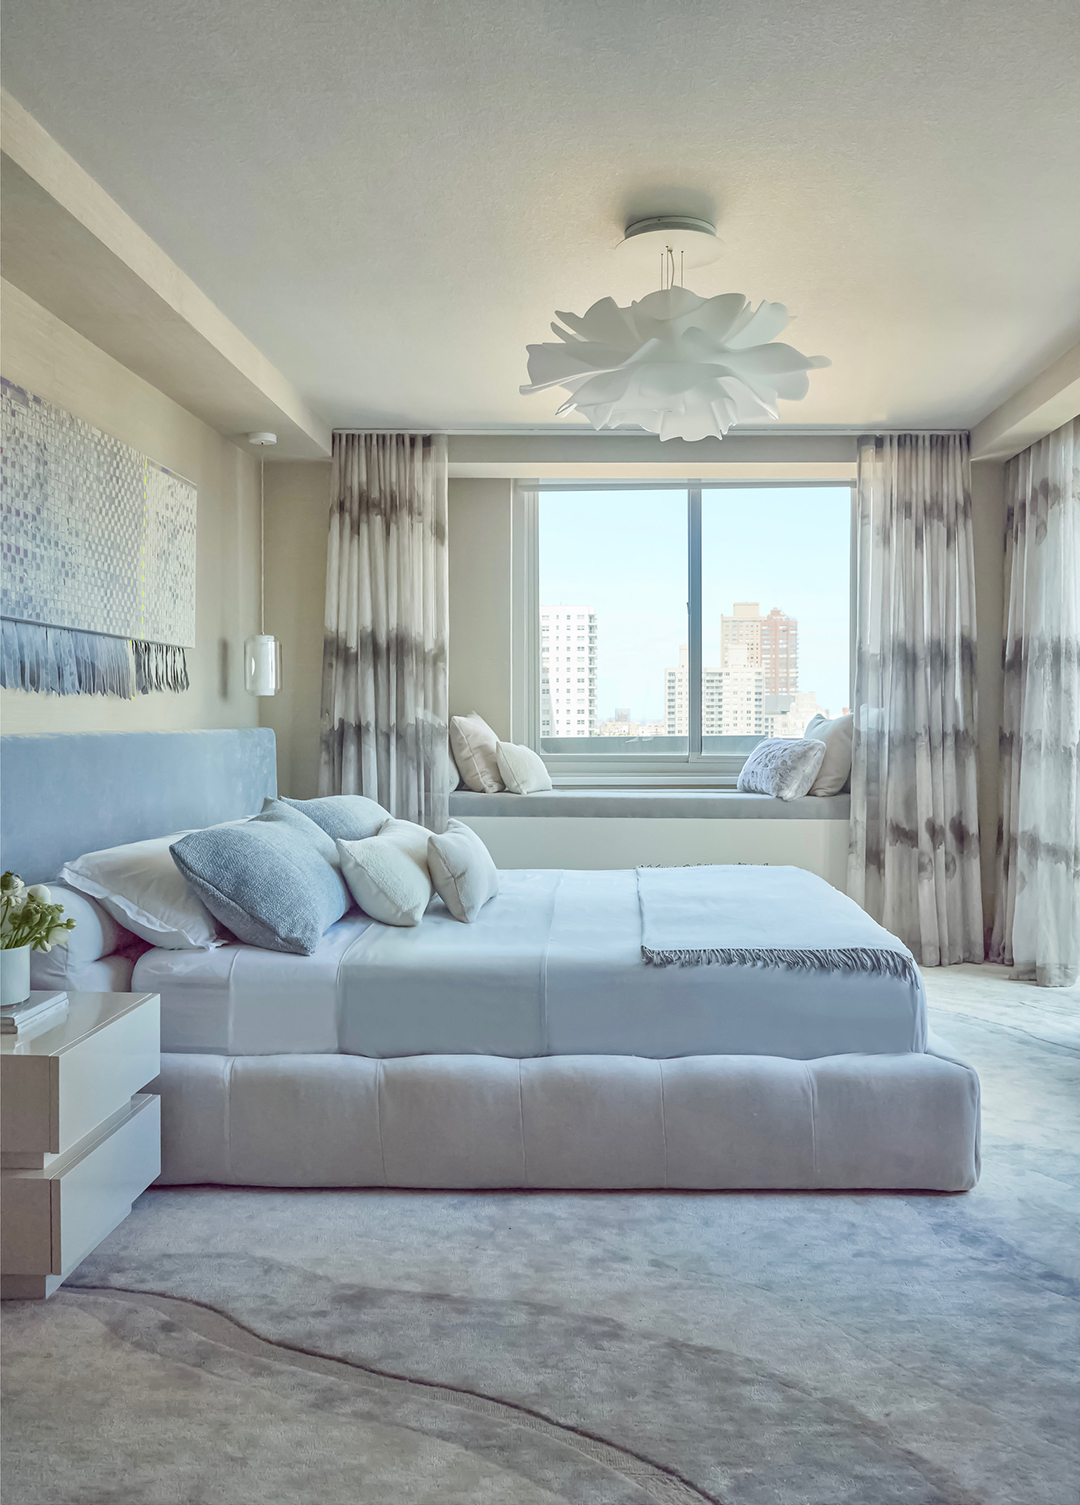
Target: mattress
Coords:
[(241, 1001), (552, 966)]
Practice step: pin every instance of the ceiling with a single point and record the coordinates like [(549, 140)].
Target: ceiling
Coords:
[(392, 200)]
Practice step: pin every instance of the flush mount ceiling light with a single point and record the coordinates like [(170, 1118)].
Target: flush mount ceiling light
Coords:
[(672, 363)]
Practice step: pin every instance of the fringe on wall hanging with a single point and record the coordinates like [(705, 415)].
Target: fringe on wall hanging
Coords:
[(160, 666), (59, 661)]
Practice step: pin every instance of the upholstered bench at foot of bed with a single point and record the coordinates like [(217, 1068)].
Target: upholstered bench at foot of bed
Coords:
[(695, 1122)]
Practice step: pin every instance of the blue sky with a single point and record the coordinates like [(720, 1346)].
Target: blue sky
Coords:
[(624, 553)]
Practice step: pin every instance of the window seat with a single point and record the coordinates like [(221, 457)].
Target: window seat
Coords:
[(666, 804)]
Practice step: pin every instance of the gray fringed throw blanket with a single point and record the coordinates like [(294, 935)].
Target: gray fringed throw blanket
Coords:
[(760, 916)]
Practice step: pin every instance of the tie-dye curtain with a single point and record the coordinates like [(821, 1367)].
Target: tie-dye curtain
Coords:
[(913, 861), (1037, 913), (384, 696)]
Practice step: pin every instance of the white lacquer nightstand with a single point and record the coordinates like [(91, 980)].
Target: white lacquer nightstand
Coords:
[(80, 1140)]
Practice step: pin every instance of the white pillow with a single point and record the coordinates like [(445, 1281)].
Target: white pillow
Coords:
[(522, 770), (835, 770), (96, 932), (388, 873), (784, 767), (143, 889), (474, 746), (462, 871)]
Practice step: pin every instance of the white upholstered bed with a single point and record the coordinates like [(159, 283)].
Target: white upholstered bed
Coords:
[(532, 1048)]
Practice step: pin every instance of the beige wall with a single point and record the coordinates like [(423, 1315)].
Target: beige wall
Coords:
[(480, 608), (297, 518), (49, 359), (988, 526)]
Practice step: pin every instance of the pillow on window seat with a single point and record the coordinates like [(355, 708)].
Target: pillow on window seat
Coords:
[(462, 871), (522, 770), (784, 767), (475, 747), (834, 776), (388, 874), (274, 881)]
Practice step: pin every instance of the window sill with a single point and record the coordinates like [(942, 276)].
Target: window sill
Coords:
[(650, 804)]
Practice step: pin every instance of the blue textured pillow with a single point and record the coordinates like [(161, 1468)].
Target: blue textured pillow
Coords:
[(344, 817), (274, 881)]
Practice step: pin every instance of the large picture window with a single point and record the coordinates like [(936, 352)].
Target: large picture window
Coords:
[(678, 625)]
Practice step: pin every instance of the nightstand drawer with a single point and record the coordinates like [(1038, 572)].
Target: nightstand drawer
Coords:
[(53, 1218), (52, 1098)]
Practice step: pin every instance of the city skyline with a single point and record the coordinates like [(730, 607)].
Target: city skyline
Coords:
[(623, 553), (754, 691)]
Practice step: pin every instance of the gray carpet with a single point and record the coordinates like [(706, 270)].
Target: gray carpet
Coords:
[(597, 1348)]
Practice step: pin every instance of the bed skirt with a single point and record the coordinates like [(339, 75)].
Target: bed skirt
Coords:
[(695, 1122)]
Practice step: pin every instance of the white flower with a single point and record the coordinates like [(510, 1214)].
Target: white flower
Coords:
[(15, 899), (57, 936), (675, 364), (40, 893)]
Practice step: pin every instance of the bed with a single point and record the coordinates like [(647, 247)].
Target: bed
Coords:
[(534, 1048)]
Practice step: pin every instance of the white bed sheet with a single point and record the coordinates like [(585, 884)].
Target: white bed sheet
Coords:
[(241, 1001)]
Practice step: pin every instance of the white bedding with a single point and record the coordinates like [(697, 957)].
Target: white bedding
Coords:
[(552, 966), (240, 1001)]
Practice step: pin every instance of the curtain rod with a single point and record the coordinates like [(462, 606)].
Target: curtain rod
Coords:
[(806, 431)]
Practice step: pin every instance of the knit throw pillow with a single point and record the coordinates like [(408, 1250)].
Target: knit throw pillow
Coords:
[(784, 767)]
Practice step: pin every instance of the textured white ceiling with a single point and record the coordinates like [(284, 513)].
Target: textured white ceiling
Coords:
[(391, 200)]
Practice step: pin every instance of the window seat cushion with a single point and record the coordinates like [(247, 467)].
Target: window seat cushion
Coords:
[(664, 804)]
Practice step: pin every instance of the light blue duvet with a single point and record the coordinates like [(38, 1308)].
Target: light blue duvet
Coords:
[(554, 966)]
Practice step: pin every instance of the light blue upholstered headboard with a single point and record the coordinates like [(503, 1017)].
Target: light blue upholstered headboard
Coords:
[(77, 792)]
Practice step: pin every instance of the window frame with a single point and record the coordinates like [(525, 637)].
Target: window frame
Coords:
[(696, 769)]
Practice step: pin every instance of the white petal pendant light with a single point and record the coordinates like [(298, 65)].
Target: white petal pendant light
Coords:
[(672, 363), (262, 651)]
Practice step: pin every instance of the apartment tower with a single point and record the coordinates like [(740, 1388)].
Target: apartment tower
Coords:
[(567, 671), (771, 644)]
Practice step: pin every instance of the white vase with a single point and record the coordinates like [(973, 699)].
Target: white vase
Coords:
[(15, 974)]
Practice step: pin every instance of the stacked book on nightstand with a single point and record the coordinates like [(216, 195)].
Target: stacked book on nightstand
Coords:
[(37, 1009)]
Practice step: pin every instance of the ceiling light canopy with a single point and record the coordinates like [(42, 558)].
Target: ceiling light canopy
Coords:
[(672, 363)]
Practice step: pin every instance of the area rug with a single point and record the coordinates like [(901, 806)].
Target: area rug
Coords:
[(598, 1348)]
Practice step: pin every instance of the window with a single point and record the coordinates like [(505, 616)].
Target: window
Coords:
[(678, 625)]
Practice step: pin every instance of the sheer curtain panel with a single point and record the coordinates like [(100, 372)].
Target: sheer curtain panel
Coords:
[(914, 851), (1037, 912), (384, 695)]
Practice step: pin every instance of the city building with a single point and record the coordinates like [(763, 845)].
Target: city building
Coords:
[(677, 697), (742, 630), (789, 715), (567, 671), (771, 643), (621, 726), (780, 653), (739, 696), (731, 697)]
